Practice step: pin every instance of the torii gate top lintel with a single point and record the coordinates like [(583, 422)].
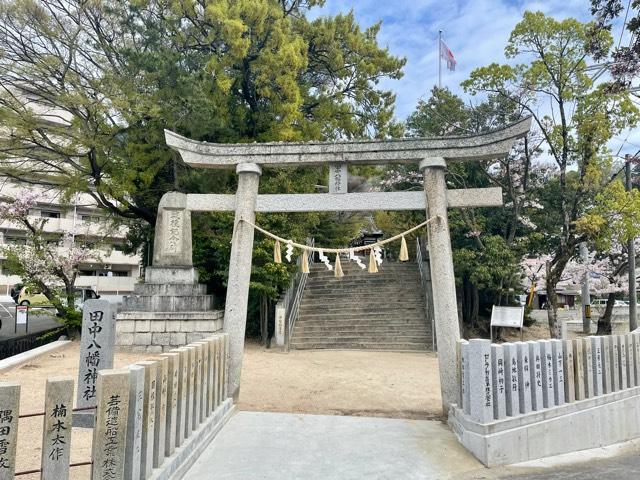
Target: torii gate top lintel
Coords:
[(485, 146)]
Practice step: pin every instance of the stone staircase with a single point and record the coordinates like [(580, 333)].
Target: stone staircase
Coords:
[(381, 311)]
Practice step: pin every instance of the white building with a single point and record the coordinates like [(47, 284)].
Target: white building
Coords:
[(114, 274)]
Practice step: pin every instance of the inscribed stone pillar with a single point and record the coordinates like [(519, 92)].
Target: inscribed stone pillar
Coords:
[(219, 368), (464, 376), (135, 424), (9, 411), (524, 377), (498, 375), (512, 400), (578, 359), (558, 371), (173, 386), (636, 356), (56, 430), (226, 367), (96, 351), (197, 395), (162, 379), (148, 417), (235, 313), (204, 381), (588, 367), (183, 393), (212, 374), (569, 375), (596, 361), (546, 354), (615, 363), (536, 375), (622, 352), (445, 306), (631, 369), (173, 243), (481, 381), (191, 390), (606, 364), (110, 431)]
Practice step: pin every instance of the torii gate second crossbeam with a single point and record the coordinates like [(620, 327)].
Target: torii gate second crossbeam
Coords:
[(172, 248)]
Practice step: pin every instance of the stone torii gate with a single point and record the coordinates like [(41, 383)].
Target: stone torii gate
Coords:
[(173, 229)]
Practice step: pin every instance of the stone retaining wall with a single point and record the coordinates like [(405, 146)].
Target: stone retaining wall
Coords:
[(145, 332)]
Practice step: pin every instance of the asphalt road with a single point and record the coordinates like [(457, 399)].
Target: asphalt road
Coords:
[(39, 320)]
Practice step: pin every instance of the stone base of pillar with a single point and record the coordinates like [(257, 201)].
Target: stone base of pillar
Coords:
[(170, 309), (156, 332)]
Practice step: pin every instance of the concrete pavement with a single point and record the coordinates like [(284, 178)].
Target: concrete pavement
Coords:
[(276, 446)]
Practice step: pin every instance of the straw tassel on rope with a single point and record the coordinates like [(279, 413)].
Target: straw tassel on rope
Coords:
[(277, 254), (373, 265), (305, 261), (404, 251), (338, 267)]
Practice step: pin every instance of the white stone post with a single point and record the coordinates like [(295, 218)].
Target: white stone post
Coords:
[(442, 278), (56, 430), (235, 312)]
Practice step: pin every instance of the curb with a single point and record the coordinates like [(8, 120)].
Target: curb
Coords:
[(25, 357)]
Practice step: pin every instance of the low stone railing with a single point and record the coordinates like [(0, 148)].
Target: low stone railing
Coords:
[(152, 419), (526, 400)]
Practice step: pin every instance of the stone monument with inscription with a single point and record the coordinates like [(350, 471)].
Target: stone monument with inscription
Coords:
[(170, 309)]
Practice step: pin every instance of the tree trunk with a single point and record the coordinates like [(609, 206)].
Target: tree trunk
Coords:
[(604, 321), (264, 320)]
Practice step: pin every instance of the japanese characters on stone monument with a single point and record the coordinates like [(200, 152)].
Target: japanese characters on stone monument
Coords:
[(109, 434), (56, 430), (96, 352), (9, 411)]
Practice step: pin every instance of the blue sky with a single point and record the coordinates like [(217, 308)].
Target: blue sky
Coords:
[(476, 31)]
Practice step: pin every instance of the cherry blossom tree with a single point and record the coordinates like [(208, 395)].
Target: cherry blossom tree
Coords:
[(50, 268)]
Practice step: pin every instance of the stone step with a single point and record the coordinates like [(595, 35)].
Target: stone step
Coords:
[(302, 333), (363, 294), (400, 347), (169, 289), (168, 303), (361, 325), (372, 338), (366, 278), (372, 317), (365, 288), (361, 307)]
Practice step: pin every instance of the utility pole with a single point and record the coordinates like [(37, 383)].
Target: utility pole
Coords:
[(633, 297), (586, 295)]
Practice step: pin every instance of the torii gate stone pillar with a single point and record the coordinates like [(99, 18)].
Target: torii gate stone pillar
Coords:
[(235, 313), (445, 307), (249, 160)]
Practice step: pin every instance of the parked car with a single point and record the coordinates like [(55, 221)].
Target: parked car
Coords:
[(33, 298), (15, 291)]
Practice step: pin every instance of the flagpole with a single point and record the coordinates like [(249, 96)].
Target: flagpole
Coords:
[(439, 58)]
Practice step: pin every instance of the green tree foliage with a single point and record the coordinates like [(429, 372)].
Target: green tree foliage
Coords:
[(86, 89), (487, 243), (575, 118)]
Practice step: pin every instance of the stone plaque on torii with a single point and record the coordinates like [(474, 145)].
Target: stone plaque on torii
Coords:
[(172, 248)]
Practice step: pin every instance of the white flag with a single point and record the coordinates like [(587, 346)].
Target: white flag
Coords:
[(448, 56)]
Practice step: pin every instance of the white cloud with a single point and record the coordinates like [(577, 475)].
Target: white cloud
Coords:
[(476, 31)]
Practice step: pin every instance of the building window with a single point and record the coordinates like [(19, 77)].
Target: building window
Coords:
[(15, 240), (91, 218), (49, 214)]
